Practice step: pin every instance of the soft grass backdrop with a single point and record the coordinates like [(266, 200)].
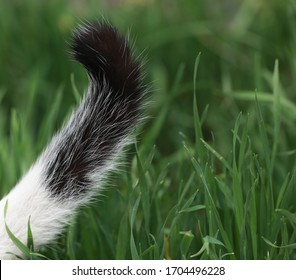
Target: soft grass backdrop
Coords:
[(213, 172)]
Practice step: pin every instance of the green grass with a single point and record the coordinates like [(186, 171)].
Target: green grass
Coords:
[(213, 173)]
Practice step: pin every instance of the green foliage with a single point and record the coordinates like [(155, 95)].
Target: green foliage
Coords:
[(27, 250), (213, 172)]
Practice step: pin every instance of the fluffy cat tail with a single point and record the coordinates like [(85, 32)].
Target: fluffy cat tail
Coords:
[(80, 155)]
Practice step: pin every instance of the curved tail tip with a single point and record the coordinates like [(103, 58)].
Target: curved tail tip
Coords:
[(105, 53)]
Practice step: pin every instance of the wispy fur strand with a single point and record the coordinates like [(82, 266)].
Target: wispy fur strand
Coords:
[(81, 154)]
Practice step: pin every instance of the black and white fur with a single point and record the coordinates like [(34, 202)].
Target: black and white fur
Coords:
[(79, 157)]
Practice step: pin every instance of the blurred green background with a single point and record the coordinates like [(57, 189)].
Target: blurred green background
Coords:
[(239, 42)]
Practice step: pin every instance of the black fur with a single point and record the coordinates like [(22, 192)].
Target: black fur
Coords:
[(108, 113)]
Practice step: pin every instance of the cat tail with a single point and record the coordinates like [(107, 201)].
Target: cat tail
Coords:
[(79, 157)]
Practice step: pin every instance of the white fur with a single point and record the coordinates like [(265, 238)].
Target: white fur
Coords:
[(48, 215), (29, 199)]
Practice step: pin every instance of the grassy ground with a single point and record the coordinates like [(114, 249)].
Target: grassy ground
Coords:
[(213, 172)]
